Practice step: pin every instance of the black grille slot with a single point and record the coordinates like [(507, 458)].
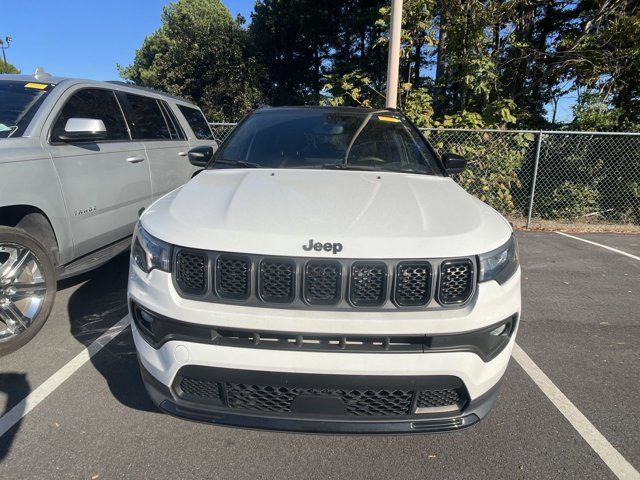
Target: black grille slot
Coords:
[(277, 280), (198, 387), (456, 281), (359, 402), (443, 397), (322, 282), (368, 286), (191, 271), (413, 283), (232, 276)]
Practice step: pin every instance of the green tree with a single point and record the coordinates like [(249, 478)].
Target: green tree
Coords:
[(200, 53), (8, 68)]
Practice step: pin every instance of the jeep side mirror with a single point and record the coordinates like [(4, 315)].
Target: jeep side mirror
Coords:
[(200, 156), (83, 130), (453, 163)]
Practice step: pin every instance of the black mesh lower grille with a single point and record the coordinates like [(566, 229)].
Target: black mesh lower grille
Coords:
[(322, 282), (197, 387), (191, 271), (368, 284), (456, 281), (358, 402), (277, 280), (232, 276), (413, 283), (440, 398)]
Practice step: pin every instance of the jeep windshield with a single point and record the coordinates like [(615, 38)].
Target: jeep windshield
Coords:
[(18, 103), (329, 138)]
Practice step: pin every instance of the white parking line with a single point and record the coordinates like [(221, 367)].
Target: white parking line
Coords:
[(614, 460), (635, 257), (32, 400)]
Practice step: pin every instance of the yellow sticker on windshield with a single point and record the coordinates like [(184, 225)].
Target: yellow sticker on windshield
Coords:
[(37, 86), (383, 118)]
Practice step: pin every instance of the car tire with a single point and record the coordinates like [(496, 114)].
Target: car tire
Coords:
[(28, 286)]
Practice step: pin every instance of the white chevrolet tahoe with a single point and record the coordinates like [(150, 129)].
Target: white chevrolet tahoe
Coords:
[(324, 273)]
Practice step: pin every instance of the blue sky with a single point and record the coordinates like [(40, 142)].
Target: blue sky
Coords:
[(88, 38), (83, 38)]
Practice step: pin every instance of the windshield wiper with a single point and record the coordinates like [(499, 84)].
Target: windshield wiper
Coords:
[(237, 163)]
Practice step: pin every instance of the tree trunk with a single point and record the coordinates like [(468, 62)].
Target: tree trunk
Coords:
[(438, 100), (416, 65)]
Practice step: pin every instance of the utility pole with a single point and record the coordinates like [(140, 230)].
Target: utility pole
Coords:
[(393, 65), (4, 45)]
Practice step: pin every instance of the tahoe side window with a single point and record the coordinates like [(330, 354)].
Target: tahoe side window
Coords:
[(148, 122), (93, 103), (174, 127), (197, 122)]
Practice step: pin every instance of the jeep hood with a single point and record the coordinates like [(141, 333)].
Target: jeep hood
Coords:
[(372, 214)]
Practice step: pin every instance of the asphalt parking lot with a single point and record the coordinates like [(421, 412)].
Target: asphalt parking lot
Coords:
[(581, 327)]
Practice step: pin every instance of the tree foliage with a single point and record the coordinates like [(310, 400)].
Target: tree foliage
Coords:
[(201, 53), (8, 68), (469, 63)]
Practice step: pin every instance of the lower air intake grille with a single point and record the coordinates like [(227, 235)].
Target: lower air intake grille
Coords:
[(232, 278), (277, 280), (440, 398), (413, 283), (362, 402), (191, 273), (197, 387), (322, 282), (368, 284), (456, 281)]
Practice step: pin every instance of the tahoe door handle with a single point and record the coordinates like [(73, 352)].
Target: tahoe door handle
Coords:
[(182, 154), (135, 159)]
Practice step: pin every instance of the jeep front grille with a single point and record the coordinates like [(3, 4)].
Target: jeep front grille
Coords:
[(277, 280), (413, 283), (456, 281), (232, 276), (368, 287), (191, 271), (322, 284)]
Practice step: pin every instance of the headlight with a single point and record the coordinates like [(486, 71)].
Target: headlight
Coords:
[(149, 252), (499, 264)]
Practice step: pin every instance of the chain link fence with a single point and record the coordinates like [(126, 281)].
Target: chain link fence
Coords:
[(537, 178)]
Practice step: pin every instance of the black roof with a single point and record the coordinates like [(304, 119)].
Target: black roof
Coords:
[(357, 110)]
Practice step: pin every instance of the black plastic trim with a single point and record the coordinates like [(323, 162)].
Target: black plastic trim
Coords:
[(168, 402), (474, 281), (299, 302), (479, 341), (385, 281), (396, 284), (305, 293)]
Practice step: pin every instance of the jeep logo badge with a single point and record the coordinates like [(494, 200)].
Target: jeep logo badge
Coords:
[(319, 246)]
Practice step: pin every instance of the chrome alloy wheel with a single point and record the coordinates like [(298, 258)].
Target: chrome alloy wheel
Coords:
[(22, 289)]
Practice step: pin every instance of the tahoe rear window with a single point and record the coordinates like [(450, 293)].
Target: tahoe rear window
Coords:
[(148, 122), (197, 122)]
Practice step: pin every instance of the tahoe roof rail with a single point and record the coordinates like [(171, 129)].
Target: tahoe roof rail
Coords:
[(148, 90)]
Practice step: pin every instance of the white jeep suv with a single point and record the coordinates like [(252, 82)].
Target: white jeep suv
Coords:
[(324, 273)]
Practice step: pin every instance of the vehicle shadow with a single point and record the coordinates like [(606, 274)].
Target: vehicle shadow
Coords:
[(16, 386), (95, 306)]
